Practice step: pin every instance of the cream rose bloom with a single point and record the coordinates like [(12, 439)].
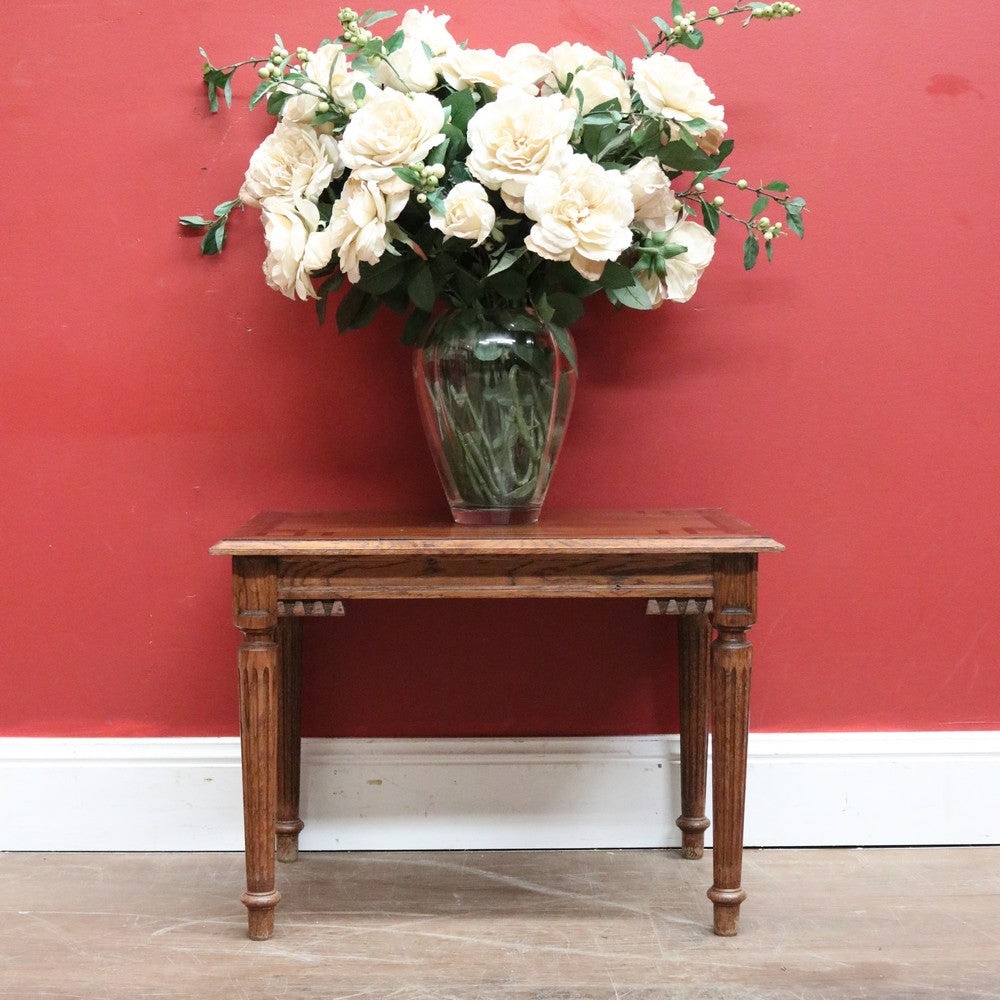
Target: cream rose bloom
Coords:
[(571, 57), (582, 214), (515, 138), (683, 271), (598, 85), (296, 245), (294, 161), (653, 199), (463, 69), (428, 28), (358, 223), (468, 214), (329, 69), (391, 130), (408, 69), (671, 88), (529, 66)]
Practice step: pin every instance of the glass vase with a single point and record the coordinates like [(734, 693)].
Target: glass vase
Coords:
[(494, 395)]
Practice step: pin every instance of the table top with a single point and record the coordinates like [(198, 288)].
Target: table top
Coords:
[(336, 533)]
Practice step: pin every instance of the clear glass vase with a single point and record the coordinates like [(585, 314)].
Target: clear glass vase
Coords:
[(494, 398)]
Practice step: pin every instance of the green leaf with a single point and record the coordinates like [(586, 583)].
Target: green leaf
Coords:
[(463, 107), (750, 250), (769, 249), (634, 297), (408, 175), (616, 275), (568, 308), (679, 156), (213, 96), (564, 342), (662, 25), (227, 91), (509, 258), (414, 327), (510, 284), (759, 205), (693, 39), (776, 186), (544, 309), (644, 40), (421, 288), (394, 41), (356, 309), (793, 213), (374, 18), (676, 8), (378, 279), (710, 216), (214, 239), (263, 89), (225, 208), (194, 220)]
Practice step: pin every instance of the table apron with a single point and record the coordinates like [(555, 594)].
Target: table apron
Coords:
[(549, 575)]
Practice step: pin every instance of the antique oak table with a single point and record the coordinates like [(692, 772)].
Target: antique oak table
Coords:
[(699, 564)]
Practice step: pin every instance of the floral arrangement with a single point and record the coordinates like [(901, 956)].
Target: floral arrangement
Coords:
[(429, 173)]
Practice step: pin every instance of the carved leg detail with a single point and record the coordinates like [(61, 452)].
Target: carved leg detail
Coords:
[(694, 634), (255, 600), (735, 612), (289, 738)]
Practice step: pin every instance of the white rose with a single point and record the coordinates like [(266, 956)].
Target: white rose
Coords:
[(300, 109), (468, 213), (529, 65), (682, 272), (408, 69), (293, 161), (463, 69), (598, 85), (358, 223), (567, 58), (516, 137), (391, 130), (427, 27), (296, 245), (652, 197), (671, 88), (582, 214), (329, 69)]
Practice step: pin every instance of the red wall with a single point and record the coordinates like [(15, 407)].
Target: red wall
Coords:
[(844, 398)]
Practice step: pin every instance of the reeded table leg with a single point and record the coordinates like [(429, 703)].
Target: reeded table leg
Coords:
[(734, 612), (255, 613), (289, 824), (694, 636)]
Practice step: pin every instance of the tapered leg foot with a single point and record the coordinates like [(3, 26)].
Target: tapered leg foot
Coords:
[(288, 839), (692, 836), (726, 907), (260, 913)]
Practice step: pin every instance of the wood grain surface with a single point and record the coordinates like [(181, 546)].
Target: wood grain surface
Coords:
[(605, 531)]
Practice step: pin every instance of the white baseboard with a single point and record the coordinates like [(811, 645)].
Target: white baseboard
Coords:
[(804, 789)]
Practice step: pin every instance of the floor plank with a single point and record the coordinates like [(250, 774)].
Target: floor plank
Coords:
[(526, 925)]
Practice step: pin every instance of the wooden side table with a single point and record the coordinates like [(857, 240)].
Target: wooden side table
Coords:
[(700, 564)]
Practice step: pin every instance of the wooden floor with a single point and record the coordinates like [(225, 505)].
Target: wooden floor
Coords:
[(631, 925)]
